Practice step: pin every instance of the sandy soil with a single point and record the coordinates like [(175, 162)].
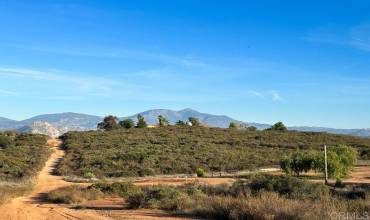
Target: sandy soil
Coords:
[(182, 181), (361, 174)]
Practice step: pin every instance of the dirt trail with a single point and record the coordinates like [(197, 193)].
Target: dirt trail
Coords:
[(30, 207)]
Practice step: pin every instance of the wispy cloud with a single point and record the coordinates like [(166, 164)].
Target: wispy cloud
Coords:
[(360, 37), (256, 94), (275, 95), (271, 94), (8, 93), (118, 53), (66, 86), (357, 37), (83, 84)]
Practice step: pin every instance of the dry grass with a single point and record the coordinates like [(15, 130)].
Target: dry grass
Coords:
[(286, 200), (80, 194), (73, 195), (267, 205), (11, 190), (237, 202)]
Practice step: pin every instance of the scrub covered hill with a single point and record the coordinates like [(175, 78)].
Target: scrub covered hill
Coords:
[(182, 149), (21, 155)]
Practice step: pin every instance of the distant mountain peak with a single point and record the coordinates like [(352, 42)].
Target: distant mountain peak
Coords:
[(51, 124), (188, 110)]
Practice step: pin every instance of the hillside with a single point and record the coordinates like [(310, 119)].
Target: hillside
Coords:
[(52, 124), (354, 132), (63, 122), (21, 155), (176, 149), (6, 123), (68, 120)]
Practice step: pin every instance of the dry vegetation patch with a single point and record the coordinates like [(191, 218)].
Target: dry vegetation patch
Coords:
[(260, 197), (180, 149), (21, 157)]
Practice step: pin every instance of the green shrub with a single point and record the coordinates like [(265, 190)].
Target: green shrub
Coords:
[(89, 175), (141, 123), (297, 163), (5, 141), (109, 123), (341, 161), (200, 172), (127, 123), (234, 125), (279, 126), (162, 197), (288, 186), (122, 189)]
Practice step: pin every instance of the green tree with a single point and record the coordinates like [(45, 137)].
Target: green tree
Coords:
[(341, 161), (297, 163), (279, 126), (141, 123), (127, 123), (180, 123), (194, 121), (162, 121), (234, 125), (109, 123), (251, 128)]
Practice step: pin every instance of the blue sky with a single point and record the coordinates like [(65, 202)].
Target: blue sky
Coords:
[(304, 63)]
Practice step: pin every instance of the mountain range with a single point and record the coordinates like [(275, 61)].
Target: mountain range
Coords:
[(57, 124)]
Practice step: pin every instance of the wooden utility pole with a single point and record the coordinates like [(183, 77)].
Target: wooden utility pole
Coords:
[(326, 166)]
